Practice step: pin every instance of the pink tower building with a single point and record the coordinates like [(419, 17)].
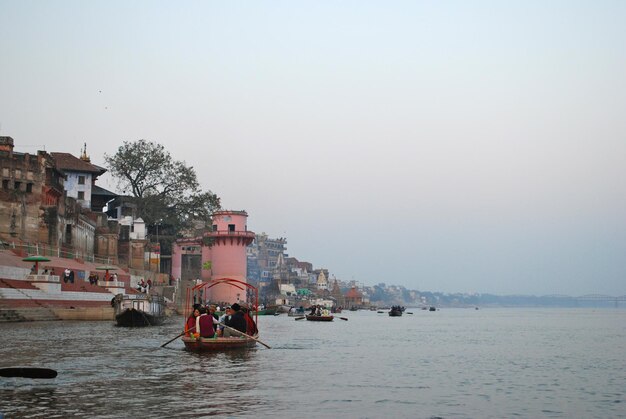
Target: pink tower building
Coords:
[(220, 253), (229, 238)]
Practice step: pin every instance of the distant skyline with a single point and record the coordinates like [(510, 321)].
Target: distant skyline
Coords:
[(447, 146)]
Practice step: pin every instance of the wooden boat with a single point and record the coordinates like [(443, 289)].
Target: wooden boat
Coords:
[(313, 318), (395, 312), (296, 312), (139, 310), (216, 344), (265, 312)]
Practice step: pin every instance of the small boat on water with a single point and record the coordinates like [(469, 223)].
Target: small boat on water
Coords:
[(395, 313), (217, 344), (313, 318), (139, 310), (296, 312), (270, 311)]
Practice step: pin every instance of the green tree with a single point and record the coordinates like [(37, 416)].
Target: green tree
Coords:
[(166, 191)]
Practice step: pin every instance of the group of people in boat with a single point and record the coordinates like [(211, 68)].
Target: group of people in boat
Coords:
[(204, 322), (318, 310)]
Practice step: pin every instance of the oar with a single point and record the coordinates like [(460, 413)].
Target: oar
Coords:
[(343, 318), (248, 336), (172, 340), (379, 312), (408, 312), (300, 318), (27, 372)]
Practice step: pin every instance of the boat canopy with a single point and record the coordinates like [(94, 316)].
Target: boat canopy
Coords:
[(199, 293)]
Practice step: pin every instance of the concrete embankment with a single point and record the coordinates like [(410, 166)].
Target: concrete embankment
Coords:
[(25, 296)]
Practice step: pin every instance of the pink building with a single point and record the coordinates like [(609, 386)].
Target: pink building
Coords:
[(220, 253)]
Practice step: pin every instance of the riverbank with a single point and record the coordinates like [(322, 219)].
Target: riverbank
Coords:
[(43, 296)]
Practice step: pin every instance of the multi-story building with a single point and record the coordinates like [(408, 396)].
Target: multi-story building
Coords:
[(80, 175), (35, 206)]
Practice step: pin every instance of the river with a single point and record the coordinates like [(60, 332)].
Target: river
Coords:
[(452, 363)]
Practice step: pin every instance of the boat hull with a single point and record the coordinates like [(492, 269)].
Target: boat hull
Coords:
[(217, 344), (137, 318), (320, 318), (266, 312), (395, 313)]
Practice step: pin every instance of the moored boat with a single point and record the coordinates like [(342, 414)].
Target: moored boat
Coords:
[(265, 312), (313, 318), (139, 310)]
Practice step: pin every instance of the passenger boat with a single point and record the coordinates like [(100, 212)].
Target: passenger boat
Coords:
[(270, 311), (139, 310), (313, 318), (216, 344), (395, 313), (296, 312)]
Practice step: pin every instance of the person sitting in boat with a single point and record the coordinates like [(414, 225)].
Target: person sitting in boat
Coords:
[(313, 310), (251, 328), (318, 311), (190, 324), (224, 319), (237, 321), (212, 309), (204, 324)]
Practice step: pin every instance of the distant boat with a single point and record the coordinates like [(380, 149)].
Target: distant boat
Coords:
[(432, 308), (395, 312), (270, 311), (139, 310), (296, 312)]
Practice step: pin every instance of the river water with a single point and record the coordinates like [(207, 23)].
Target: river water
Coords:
[(452, 363)]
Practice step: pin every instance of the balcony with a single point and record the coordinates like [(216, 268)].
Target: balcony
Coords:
[(220, 237)]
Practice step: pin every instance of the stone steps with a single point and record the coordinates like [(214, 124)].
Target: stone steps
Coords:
[(30, 314)]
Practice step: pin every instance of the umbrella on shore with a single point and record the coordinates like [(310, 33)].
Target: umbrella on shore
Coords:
[(107, 268), (36, 259)]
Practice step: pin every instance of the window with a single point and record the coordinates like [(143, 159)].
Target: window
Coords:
[(5, 184), (81, 196), (81, 180), (68, 234), (29, 175), (18, 186), (214, 227), (29, 187), (231, 228), (5, 171)]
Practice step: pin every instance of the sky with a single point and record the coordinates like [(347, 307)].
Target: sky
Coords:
[(451, 146)]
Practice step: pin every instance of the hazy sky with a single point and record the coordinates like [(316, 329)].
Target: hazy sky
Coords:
[(456, 146)]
